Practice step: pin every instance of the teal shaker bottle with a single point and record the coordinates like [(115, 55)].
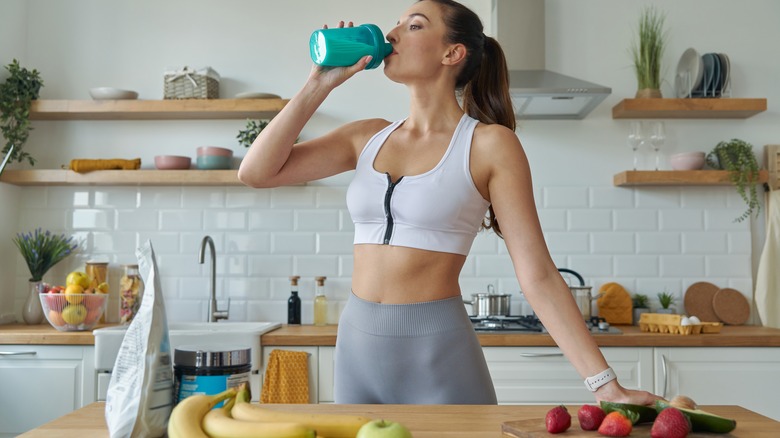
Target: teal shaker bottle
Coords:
[(344, 46)]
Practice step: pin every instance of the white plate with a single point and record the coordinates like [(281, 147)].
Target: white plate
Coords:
[(254, 95), (725, 72), (689, 73), (103, 93)]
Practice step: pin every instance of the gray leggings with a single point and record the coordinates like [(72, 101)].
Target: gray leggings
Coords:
[(420, 353)]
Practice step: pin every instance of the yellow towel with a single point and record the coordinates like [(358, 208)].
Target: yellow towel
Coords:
[(286, 378), (87, 165)]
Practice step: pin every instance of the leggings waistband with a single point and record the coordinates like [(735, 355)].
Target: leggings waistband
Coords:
[(406, 320)]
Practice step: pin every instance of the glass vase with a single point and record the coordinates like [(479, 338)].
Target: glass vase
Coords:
[(32, 312)]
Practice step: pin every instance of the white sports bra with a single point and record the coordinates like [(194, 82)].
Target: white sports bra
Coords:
[(439, 210)]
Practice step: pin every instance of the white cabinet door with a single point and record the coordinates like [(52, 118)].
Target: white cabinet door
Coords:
[(313, 365), (43, 382), (325, 383), (745, 376), (534, 375)]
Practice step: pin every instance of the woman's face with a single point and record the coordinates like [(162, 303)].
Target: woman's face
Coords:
[(418, 44)]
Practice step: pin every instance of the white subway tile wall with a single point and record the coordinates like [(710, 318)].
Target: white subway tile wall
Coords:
[(649, 240)]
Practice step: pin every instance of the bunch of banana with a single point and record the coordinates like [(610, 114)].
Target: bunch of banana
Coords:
[(326, 425), (187, 415), (218, 424)]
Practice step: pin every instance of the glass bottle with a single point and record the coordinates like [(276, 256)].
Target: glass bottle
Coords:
[(294, 302), (320, 302), (131, 290)]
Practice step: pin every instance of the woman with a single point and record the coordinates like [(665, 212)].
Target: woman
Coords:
[(421, 190)]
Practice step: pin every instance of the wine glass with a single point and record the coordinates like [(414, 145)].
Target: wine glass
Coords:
[(635, 138), (657, 138)]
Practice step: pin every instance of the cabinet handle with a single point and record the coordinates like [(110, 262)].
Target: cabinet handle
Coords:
[(541, 354), (18, 353), (663, 367)]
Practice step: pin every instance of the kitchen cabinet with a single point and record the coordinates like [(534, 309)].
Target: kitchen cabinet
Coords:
[(721, 108), (187, 109), (678, 178), (534, 375), (725, 376), (43, 382)]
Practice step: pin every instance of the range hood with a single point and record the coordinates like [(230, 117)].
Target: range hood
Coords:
[(538, 93)]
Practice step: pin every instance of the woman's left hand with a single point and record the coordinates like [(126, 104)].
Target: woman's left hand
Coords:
[(613, 392)]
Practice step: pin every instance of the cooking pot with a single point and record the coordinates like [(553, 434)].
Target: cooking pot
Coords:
[(488, 304), (582, 294)]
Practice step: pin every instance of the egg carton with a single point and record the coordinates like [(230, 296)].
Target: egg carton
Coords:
[(673, 324)]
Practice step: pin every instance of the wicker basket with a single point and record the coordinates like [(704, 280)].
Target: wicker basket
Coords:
[(188, 83)]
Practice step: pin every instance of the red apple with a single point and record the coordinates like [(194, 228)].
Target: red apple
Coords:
[(94, 301)]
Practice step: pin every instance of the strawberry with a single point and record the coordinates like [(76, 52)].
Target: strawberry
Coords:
[(615, 424), (557, 419), (671, 423), (590, 417)]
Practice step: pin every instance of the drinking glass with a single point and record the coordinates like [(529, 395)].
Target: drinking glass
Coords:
[(635, 138), (657, 138)]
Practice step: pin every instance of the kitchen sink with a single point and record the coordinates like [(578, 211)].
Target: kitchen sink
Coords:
[(222, 334)]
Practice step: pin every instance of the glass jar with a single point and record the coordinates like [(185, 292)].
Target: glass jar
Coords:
[(131, 290), (98, 280)]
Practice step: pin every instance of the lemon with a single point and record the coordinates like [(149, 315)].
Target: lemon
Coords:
[(79, 278), (74, 315), (102, 288), (71, 290)]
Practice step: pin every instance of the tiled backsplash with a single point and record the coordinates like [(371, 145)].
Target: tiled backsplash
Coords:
[(647, 239)]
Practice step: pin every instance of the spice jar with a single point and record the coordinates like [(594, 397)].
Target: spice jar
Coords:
[(131, 290)]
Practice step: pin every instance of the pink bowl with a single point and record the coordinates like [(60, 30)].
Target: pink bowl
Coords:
[(172, 162), (213, 150), (687, 161)]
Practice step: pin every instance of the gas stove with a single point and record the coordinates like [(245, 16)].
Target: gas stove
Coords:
[(530, 324)]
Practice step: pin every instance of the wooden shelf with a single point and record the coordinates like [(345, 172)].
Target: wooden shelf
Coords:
[(678, 178), (156, 109), (54, 177), (716, 108)]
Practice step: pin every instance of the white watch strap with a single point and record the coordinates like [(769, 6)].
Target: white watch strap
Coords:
[(595, 382)]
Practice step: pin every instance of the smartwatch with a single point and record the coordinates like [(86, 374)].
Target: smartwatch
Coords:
[(595, 382)]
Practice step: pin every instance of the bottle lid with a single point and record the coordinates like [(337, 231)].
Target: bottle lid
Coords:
[(294, 279)]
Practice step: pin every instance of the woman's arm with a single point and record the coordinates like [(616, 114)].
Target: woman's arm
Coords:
[(500, 162), (274, 159)]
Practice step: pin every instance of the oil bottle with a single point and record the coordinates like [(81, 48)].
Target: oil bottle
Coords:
[(294, 302), (320, 302)]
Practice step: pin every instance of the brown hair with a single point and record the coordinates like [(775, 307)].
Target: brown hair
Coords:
[(484, 79)]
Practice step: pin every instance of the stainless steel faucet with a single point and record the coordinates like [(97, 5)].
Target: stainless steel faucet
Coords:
[(214, 313)]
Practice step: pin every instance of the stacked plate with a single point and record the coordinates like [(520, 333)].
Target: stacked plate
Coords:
[(705, 75)]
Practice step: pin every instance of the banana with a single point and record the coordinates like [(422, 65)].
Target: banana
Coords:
[(218, 424), (326, 425), (186, 417)]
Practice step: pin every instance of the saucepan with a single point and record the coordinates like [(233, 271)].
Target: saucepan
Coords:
[(582, 294), (488, 304)]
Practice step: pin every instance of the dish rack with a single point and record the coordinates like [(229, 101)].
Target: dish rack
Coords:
[(672, 324)]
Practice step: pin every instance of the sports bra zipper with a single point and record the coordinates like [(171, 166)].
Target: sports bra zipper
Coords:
[(388, 214)]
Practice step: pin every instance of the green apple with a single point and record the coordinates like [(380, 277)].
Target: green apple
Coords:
[(383, 429)]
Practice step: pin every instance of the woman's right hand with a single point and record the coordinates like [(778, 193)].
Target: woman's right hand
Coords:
[(332, 77)]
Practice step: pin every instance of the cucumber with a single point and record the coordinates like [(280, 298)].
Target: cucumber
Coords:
[(702, 421), (646, 413)]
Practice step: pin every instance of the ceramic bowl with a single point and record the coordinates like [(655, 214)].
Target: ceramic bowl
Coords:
[(73, 312), (214, 150), (687, 161), (172, 162), (213, 162), (107, 93)]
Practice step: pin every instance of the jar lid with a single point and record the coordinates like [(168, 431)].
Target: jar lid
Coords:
[(222, 356)]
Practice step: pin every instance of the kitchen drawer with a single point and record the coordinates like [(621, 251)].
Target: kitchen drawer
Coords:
[(538, 375)]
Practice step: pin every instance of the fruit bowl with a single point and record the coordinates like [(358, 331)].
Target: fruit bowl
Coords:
[(73, 312)]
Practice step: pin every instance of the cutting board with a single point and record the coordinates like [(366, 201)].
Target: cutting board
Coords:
[(698, 301), (731, 306), (535, 428)]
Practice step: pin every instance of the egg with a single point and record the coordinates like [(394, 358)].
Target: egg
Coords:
[(685, 321), (694, 320)]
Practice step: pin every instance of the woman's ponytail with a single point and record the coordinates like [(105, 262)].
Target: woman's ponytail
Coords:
[(486, 96)]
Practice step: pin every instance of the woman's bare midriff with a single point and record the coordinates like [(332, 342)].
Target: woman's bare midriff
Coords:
[(399, 275)]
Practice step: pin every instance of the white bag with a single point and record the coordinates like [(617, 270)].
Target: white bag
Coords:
[(140, 392)]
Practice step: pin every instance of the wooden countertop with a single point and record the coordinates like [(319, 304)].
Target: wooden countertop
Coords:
[(44, 334), (424, 421), (730, 336)]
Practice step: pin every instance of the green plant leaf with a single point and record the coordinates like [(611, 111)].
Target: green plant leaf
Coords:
[(16, 95), (738, 158)]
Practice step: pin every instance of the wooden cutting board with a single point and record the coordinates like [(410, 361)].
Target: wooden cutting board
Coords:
[(535, 428), (698, 301), (731, 306)]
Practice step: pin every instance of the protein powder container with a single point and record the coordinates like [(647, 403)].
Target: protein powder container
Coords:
[(209, 370)]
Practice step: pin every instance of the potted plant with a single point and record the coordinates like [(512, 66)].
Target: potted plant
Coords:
[(647, 52), (737, 157), (666, 300), (16, 96), (641, 306), (253, 128)]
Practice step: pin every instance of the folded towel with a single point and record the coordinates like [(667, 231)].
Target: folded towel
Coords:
[(88, 165), (768, 277), (286, 378)]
